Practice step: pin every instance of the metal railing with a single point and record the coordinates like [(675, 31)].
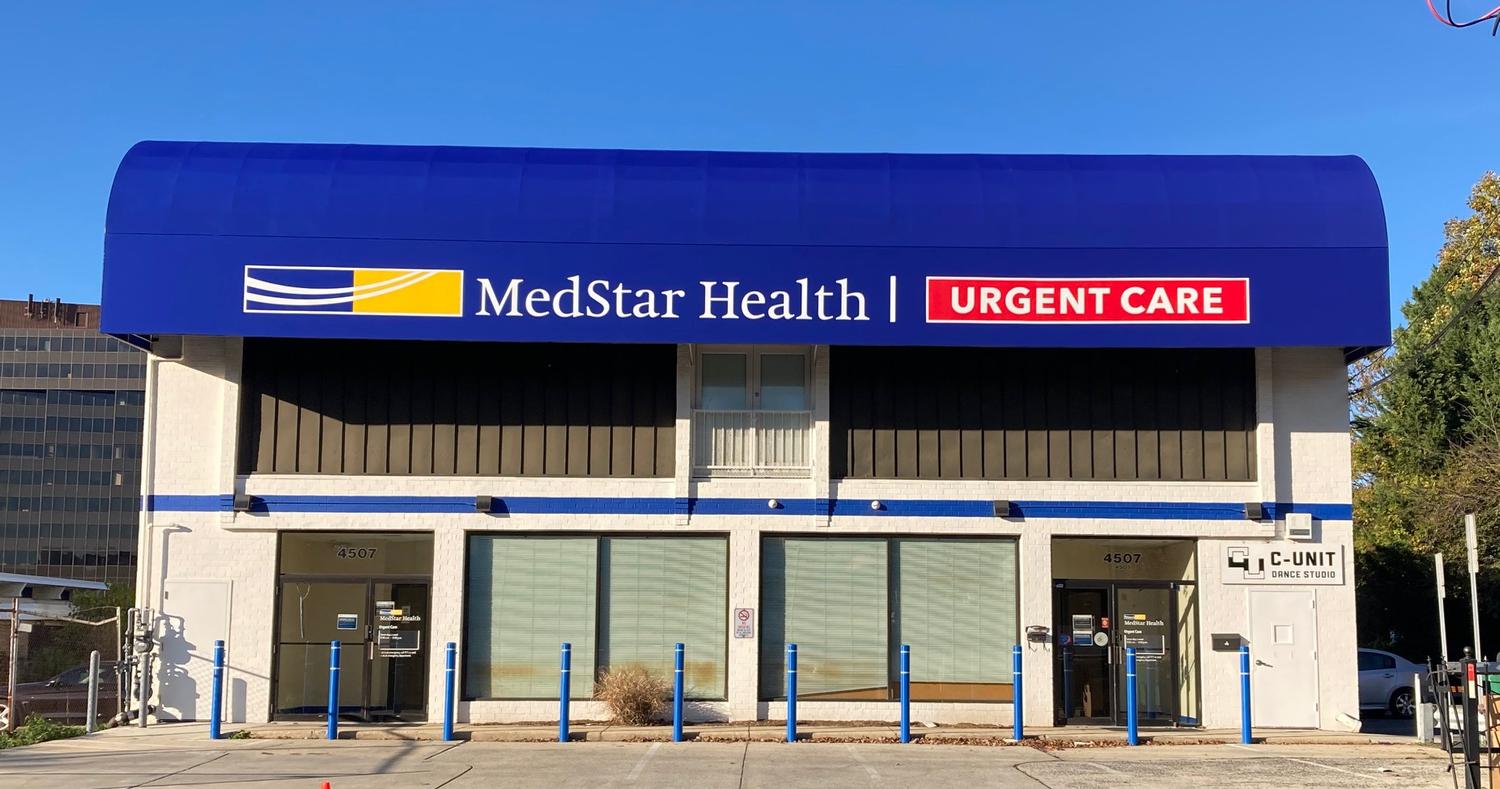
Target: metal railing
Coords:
[(752, 443)]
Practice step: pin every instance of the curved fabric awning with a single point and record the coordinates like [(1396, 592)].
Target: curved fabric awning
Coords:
[(531, 244)]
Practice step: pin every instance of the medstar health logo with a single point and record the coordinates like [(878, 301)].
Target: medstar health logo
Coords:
[(354, 291)]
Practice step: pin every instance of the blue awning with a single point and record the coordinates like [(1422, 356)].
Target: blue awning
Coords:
[(527, 244)]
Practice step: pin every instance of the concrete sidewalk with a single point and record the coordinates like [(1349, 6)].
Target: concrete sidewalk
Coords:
[(812, 732), (182, 755)]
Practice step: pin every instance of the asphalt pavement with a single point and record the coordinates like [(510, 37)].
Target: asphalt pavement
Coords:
[(107, 762)]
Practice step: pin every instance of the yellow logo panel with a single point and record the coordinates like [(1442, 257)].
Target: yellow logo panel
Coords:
[(354, 291), (427, 293)]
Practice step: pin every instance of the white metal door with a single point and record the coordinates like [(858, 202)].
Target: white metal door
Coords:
[(193, 615), (1284, 659)]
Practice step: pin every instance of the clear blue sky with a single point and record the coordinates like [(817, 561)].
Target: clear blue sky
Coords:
[(82, 82)]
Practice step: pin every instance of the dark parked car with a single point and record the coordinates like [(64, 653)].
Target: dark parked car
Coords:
[(65, 697)]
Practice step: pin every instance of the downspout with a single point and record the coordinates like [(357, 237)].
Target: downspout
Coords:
[(144, 543)]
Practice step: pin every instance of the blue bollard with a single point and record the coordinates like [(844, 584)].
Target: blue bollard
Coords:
[(1245, 694), (1015, 691), (905, 693), (566, 684), (215, 713), (677, 696), (450, 660), (333, 690), (1132, 729), (791, 692)]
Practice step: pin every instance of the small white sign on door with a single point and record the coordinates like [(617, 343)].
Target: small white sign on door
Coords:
[(1283, 565)]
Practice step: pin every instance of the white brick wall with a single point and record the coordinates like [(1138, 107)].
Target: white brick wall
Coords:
[(1302, 445)]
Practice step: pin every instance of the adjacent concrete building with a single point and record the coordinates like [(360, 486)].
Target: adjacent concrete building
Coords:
[(515, 398)]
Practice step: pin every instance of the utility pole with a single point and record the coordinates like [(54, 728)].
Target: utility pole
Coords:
[(1471, 537), (1442, 598)]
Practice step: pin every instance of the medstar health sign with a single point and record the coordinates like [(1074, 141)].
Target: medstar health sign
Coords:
[(415, 292)]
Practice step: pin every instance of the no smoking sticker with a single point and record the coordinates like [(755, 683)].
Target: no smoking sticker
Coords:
[(744, 623)]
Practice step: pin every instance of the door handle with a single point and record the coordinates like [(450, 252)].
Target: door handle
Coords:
[(1260, 662), (1388, 676)]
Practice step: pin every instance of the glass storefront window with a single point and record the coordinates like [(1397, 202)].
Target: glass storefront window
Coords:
[(619, 601), (526, 597), (849, 603), (956, 609), (827, 596)]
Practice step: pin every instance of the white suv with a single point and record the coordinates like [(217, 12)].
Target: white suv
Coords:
[(1385, 683)]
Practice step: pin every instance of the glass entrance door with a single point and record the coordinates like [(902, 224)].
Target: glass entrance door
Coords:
[(1096, 622), (398, 652), (1145, 622), (381, 627), (1084, 656)]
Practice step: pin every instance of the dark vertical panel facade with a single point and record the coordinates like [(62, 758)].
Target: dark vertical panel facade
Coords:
[(940, 413), (344, 407)]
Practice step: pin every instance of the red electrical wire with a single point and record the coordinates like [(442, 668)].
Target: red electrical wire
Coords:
[(1493, 13)]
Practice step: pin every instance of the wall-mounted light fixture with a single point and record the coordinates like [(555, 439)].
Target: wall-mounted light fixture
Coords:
[(1002, 508), (242, 502), (484, 503), (1255, 511), (876, 505), (773, 504)]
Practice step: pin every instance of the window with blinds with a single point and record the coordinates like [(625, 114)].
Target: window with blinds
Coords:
[(955, 603), (660, 592), (849, 603), (525, 597), (640, 595), (827, 596)]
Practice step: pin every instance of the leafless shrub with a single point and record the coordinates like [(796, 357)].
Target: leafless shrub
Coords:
[(634, 695)]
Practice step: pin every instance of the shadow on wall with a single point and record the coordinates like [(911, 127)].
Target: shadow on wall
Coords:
[(176, 653)]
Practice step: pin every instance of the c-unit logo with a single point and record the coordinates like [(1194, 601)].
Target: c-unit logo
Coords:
[(354, 291)]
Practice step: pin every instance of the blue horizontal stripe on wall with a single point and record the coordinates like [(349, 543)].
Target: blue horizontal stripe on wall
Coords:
[(597, 505)]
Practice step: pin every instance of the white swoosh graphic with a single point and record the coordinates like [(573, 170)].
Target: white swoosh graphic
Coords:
[(349, 298), (275, 287)]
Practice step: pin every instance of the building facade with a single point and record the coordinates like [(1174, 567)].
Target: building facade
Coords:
[(70, 443), (510, 399)]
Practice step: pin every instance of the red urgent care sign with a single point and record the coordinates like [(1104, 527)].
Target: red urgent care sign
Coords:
[(1111, 300)]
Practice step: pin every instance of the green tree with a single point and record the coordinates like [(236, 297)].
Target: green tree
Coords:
[(1427, 440)]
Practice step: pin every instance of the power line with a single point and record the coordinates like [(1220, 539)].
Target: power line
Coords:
[(1447, 16), (1433, 341)]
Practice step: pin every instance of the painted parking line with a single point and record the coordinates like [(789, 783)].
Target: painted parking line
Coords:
[(869, 768), (1329, 767), (641, 765)]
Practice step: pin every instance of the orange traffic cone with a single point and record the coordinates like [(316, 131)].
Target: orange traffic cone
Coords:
[(327, 785)]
